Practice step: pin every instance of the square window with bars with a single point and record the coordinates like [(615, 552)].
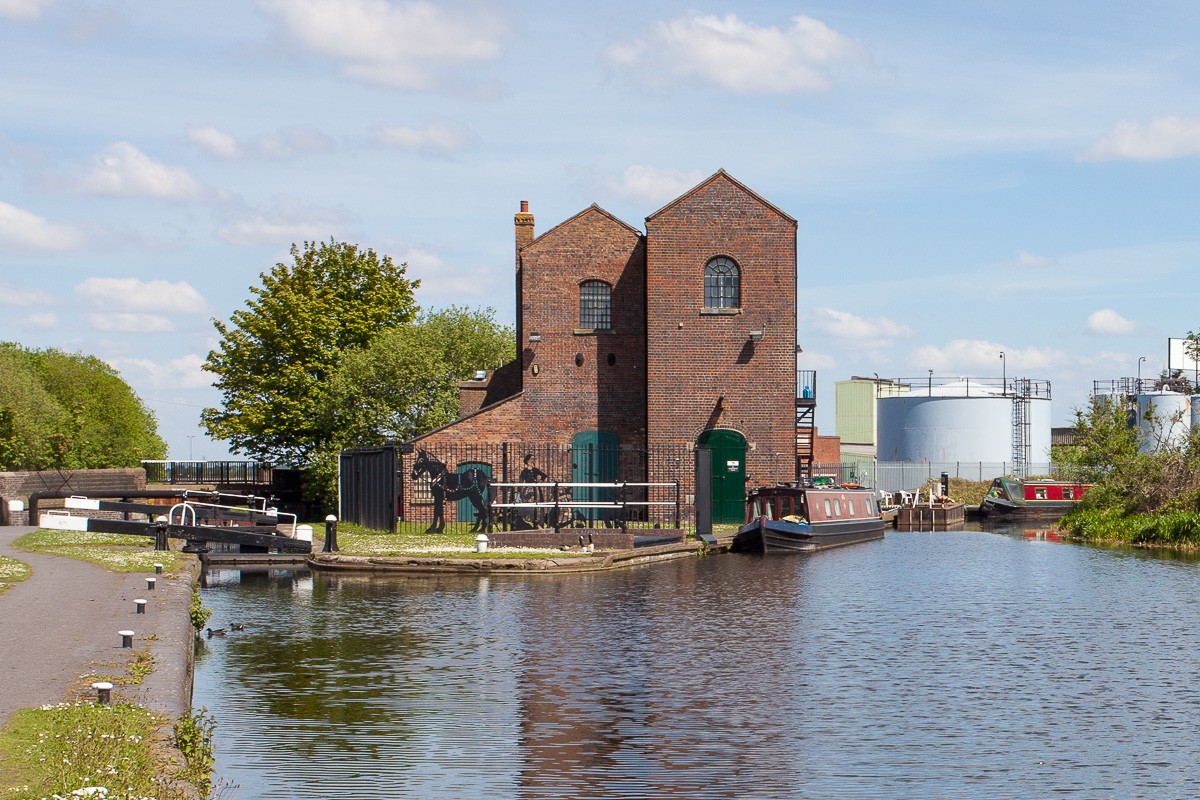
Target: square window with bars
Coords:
[(595, 305)]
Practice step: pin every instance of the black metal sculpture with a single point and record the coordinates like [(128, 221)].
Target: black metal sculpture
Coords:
[(473, 484)]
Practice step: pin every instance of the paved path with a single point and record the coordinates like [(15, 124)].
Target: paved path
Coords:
[(62, 622)]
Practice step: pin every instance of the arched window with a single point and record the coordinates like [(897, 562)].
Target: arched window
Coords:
[(722, 284), (595, 305)]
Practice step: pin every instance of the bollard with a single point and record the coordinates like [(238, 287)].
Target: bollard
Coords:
[(103, 692), (150, 584), (481, 543), (140, 605), (330, 535), (126, 638), (158, 568)]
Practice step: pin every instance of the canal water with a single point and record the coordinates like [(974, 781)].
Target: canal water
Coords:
[(929, 665)]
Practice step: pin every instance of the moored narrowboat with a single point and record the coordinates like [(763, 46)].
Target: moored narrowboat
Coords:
[(790, 517), (1009, 497)]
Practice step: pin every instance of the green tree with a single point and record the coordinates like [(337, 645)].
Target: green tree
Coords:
[(70, 411), (278, 354), (405, 382), (1135, 470)]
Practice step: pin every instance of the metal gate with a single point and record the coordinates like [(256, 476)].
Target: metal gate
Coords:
[(369, 487)]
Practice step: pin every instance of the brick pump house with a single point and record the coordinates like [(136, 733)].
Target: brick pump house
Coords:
[(643, 347)]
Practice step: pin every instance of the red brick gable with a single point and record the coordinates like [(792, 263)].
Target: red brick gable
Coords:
[(720, 176)]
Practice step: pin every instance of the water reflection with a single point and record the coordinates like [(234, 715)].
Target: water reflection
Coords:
[(965, 664)]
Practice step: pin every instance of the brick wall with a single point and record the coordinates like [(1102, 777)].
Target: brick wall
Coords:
[(585, 379), (827, 449), (19, 485), (703, 370)]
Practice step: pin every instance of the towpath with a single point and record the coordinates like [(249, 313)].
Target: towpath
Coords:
[(62, 622)]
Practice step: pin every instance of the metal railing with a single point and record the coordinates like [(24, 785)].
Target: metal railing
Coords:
[(204, 473), (558, 509)]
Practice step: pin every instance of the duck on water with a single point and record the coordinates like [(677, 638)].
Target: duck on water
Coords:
[(796, 518)]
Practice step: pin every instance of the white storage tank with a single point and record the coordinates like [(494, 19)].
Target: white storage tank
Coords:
[(1164, 419), (963, 420)]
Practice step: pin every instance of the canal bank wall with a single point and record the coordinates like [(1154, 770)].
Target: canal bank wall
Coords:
[(471, 565)]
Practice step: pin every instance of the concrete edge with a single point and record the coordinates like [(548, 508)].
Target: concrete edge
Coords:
[(616, 559)]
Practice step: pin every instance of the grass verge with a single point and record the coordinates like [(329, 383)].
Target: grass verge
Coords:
[(113, 551), (12, 571), (117, 749), (410, 539), (1110, 525)]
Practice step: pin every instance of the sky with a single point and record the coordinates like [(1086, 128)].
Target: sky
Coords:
[(969, 178)]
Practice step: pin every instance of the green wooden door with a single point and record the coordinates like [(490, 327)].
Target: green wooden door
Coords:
[(728, 474), (466, 509), (595, 458)]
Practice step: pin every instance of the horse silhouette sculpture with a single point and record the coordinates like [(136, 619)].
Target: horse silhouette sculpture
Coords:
[(472, 483)]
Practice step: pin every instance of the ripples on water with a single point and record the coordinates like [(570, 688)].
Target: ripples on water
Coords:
[(924, 666)]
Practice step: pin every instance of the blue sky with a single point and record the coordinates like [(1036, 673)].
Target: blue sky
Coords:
[(969, 178)]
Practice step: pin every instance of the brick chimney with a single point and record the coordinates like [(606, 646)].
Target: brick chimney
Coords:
[(523, 222)]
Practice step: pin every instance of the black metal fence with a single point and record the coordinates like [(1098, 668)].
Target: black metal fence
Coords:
[(442, 487), (225, 473)]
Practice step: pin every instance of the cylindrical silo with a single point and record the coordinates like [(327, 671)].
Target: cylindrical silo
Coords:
[(962, 421), (1164, 419)]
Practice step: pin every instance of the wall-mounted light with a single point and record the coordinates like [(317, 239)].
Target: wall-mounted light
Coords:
[(534, 336), (756, 336)]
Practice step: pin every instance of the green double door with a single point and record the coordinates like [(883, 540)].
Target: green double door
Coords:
[(728, 474)]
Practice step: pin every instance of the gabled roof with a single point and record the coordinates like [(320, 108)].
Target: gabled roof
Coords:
[(592, 209), (721, 175)]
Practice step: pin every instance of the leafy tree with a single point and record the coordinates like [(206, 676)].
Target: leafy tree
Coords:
[(278, 354), (404, 383), (1135, 471), (70, 411)]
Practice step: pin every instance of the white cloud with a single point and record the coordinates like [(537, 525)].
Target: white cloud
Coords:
[(1028, 259), (215, 142), (149, 296), (23, 9), (284, 222), (651, 185), (122, 322), (124, 171), (443, 282), (24, 230), (12, 296), (857, 332), (436, 137), (43, 321), (284, 144), (1164, 138), (406, 46), (980, 357), (739, 56), (1106, 321), (186, 372)]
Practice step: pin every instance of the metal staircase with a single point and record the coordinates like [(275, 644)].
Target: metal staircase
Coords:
[(1020, 427), (806, 408)]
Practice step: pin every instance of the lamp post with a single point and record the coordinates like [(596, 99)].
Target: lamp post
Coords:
[(1138, 388), (1003, 374), (876, 374), (193, 436)]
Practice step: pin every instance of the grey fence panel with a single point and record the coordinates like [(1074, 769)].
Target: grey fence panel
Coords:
[(894, 476)]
